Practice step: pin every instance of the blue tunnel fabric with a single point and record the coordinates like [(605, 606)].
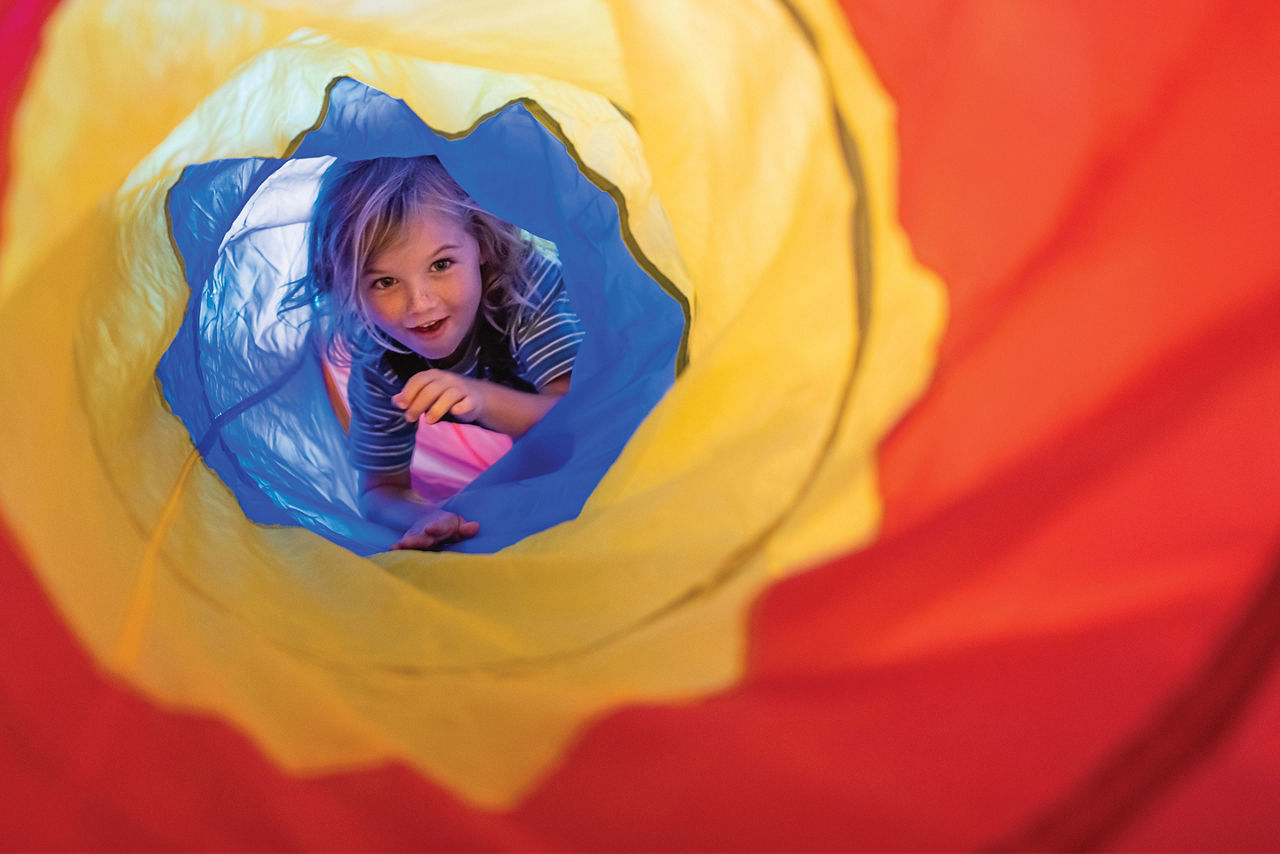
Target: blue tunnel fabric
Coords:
[(245, 375)]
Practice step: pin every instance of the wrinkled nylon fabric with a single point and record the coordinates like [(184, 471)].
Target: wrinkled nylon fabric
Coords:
[(245, 376), (712, 133)]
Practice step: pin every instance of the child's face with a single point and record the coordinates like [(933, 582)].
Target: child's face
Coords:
[(424, 289)]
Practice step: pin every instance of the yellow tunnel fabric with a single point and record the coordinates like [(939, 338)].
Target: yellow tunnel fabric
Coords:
[(735, 136)]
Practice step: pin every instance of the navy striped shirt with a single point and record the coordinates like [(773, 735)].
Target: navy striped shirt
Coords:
[(543, 341)]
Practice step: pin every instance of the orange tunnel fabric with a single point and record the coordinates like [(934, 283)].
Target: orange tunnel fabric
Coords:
[(1066, 632)]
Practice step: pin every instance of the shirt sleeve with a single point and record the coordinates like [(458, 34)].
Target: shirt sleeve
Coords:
[(381, 441), (548, 333)]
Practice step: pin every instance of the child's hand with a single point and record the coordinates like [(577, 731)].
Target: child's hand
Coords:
[(436, 393), (436, 529)]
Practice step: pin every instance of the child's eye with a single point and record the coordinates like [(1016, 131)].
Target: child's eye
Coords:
[(441, 264), (382, 284)]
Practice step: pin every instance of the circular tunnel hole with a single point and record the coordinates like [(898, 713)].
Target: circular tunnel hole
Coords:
[(246, 375)]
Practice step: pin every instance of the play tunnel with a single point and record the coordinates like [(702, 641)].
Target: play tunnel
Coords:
[(247, 370), (919, 506)]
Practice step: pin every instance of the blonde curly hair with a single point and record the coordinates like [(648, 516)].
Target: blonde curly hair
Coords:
[(360, 211)]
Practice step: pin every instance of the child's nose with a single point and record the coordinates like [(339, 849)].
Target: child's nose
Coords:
[(422, 295)]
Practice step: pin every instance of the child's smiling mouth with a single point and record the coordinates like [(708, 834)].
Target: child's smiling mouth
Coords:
[(429, 328)]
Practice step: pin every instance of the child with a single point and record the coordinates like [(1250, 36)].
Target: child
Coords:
[(444, 311)]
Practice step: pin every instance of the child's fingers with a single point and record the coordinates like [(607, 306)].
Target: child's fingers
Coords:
[(406, 394), (414, 385), (418, 400), (437, 531), (443, 526), (417, 404), (417, 542), (439, 408), (425, 391), (463, 410)]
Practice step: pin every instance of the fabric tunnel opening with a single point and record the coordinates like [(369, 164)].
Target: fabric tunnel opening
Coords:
[(246, 374)]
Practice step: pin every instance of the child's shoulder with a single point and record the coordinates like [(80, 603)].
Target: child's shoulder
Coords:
[(543, 276), (541, 262)]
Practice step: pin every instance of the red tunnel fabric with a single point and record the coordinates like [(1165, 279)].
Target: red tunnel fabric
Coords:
[(1095, 184)]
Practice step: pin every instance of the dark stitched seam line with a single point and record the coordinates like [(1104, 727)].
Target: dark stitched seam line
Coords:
[(1175, 740)]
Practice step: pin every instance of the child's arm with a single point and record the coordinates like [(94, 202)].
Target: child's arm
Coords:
[(391, 500), (436, 393)]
